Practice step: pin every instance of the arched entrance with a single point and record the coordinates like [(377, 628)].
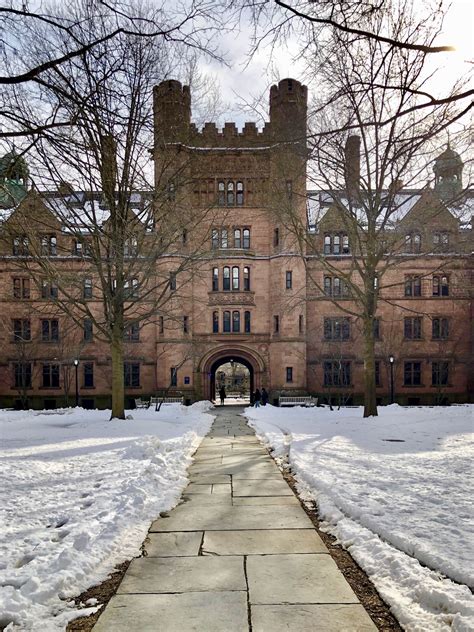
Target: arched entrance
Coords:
[(211, 362), (232, 386)]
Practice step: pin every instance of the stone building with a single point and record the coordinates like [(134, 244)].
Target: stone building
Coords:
[(252, 298)]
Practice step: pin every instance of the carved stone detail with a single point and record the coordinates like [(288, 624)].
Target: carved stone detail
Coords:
[(231, 298)]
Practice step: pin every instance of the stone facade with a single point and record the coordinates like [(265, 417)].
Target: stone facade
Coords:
[(250, 297)]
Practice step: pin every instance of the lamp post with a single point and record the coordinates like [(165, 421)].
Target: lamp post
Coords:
[(391, 359), (76, 364)]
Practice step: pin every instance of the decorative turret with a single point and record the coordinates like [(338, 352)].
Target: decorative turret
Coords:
[(13, 179), (288, 110), (448, 169), (172, 112)]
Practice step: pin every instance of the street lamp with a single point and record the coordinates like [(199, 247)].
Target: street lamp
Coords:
[(391, 359), (76, 364)]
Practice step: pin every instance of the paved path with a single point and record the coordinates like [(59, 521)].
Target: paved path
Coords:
[(239, 554)]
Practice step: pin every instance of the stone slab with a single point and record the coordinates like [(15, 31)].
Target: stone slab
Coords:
[(183, 574), (194, 517), (186, 612), (265, 542), (210, 480), (197, 488), (221, 488), (173, 544), (207, 499), (261, 488), (265, 500), (309, 618), (313, 578)]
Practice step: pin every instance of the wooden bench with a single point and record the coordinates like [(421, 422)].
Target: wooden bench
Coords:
[(141, 403), (297, 401), (166, 400)]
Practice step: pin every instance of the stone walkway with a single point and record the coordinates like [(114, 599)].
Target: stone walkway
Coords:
[(238, 554)]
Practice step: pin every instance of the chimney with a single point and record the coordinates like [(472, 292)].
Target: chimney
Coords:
[(352, 165)]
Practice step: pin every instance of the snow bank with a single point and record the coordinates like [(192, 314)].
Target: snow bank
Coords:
[(395, 492), (79, 493)]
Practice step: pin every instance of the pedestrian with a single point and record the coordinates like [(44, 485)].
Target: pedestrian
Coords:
[(264, 397), (222, 395), (256, 398)]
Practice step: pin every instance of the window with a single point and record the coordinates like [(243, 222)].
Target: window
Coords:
[(230, 194), (161, 325), (240, 193), (237, 238), (130, 289), (327, 244), (301, 324), (172, 281), (87, 288), (412, 374), (336, 245), (236, 322), (215, 239), (337, 328), (345, 245), (246, 241), (413, 286), (185, 324), (21, 288), (247, 322), (440, 285), (50, 330), (289, 279), (413, 243), (221, 193), (173, 376), (376, 326), (171, 191), (77, 248), (289, 374), (88, 330), (235, 278), (131, 374), (441, 241), (440, 328), (412, 327), (131, 333), (378, 377), (48, 289), (337, 372), (226, 322), (328, 286), (50, 376), (23, 374), (289, 189), (49, 246), (184, 236), (88, 374), (246, 279), (276, 324), (226, 279), (130, 247), (440, 373), (215, 322), (21, 330), (276, 237), (224, 238), (336, 287), (21, 246), (215, 279)]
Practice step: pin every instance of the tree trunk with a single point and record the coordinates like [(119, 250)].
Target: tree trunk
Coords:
[(370, 402), (118, 389)]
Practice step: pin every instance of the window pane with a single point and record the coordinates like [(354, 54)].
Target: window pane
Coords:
[(246, 279), (247, 322), (215, 322), (240, 193), (215, 279), (224, 238), (235, 278), (226, 278), (226, 322), (246, 233), (237, 241), (235, 321)]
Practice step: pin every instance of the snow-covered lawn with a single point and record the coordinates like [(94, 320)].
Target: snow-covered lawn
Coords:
[(395, 491), (77, 497)]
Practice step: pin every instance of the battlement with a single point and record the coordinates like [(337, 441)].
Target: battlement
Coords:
[(288, 90), (230, 135)]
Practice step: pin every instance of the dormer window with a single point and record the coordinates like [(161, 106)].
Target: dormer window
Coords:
[(49, 245), (413, 243), (21, 246), (336, 244), (441, 241)]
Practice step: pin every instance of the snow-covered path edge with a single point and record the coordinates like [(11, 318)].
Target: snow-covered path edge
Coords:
[(75, 509), (419, 598)]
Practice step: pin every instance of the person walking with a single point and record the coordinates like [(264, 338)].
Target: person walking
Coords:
[(264, 397), (256, 398), (222, 395)]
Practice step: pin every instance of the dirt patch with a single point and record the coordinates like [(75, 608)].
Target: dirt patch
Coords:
[(359, 582), (103, 593)]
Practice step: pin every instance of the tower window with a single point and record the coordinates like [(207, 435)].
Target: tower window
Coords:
[(221, 193), (230, 194), (237, 239), (236, 322), (247, 322), (224, 238), (240, 193), (215, 322), (226, 279), (276, 237), (226, 322), (235, 278), (246, 233), (276, 324), (246, 279), (289, 279), (215, 239), (215, 279)]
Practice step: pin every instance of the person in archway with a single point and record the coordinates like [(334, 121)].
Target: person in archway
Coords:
[(257, 398), (222, 394), (264, 396)]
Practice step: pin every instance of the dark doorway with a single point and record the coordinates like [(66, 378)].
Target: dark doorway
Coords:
[(237, 374)]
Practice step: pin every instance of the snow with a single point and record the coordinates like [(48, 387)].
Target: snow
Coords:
[(79, 493), (394, 490)]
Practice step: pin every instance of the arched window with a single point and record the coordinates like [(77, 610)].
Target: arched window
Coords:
[(328, 286), (416, 242), (345, 245), (226, 279), (276, 237), (237, 239), (215, 279), (221, 193), (327, 244), (240, 193), (247, 322), (215, 322), (246, 279), (336, 287), (336, 245), (236, 322), (235, 278), (246, 234), (224, 238), (226, 322), (215, 239), (230, 194)]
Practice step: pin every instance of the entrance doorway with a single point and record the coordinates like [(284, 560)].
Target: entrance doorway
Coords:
[(236, 375)]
